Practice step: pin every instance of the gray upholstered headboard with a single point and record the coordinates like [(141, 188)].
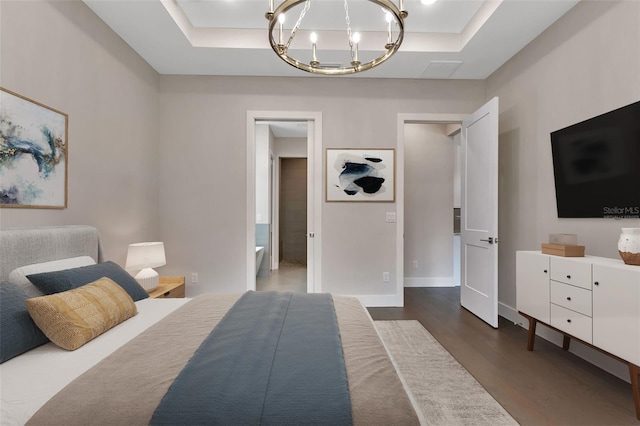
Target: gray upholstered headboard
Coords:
[(24, 246)]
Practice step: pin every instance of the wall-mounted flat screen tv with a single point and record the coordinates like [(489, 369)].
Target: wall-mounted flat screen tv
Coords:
[(596, 165)]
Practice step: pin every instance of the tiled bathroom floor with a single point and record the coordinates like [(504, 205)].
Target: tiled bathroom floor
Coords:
[(289, 277)]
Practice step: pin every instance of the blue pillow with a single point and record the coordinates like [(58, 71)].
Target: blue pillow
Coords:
[(19, 333), (68, 279)]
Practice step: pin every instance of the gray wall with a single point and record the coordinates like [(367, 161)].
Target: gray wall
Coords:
[(62, 55), (203, 169), (264, 141), (585, 64), (290, 147)]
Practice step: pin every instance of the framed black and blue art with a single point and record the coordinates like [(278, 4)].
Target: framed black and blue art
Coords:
[(360, 174), (33, 153)]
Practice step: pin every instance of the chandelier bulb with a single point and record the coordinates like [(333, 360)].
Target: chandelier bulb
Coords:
[(314, 58), (280, 22), (356, 39), (389, 18)]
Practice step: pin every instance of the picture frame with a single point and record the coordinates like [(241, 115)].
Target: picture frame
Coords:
[(33, 153), (360, 175)]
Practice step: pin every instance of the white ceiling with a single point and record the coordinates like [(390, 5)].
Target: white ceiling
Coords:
[(457, 39), (287, 129)]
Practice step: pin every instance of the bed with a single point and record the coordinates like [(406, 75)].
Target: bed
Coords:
[(253, 358)]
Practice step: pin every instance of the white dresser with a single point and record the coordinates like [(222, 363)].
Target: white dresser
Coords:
[(593, 299)]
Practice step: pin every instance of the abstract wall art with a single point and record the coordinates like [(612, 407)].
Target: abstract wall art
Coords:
[(33, 153), (360, 175)]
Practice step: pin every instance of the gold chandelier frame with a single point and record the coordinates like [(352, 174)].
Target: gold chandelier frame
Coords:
[(315, 67)]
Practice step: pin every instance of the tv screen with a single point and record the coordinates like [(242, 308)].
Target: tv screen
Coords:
[(596, 165)]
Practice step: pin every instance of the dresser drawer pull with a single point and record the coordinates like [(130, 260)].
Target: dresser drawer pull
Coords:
[(545, 271), (569, 276), (569, 320), (568, 298), (596, 283)]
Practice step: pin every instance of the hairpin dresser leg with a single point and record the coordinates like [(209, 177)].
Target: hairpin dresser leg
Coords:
[(634, 372)]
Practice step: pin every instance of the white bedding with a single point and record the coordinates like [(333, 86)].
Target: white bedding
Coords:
[(25, 374)]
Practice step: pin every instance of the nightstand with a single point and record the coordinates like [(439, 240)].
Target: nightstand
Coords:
[(169, 287)]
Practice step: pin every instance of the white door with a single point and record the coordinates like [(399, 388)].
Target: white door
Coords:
[(479, 219)]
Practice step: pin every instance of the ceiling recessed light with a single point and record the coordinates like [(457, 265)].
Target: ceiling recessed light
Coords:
[(427, 2)]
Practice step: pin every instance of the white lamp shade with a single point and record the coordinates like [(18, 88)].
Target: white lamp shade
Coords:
[(145, 255)]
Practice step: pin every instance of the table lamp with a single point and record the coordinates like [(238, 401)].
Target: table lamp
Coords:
[(145, 256)]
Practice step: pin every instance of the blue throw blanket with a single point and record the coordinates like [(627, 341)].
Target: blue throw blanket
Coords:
[(274, 359)]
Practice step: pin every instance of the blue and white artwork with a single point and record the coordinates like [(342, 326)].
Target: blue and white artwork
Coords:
[(33, 153), (360, 175)]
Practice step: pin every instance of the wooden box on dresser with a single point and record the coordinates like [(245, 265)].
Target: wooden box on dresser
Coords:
[(169, 288), (593, 299)]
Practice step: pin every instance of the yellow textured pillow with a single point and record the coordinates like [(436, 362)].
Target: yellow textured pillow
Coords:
[(72, 318)]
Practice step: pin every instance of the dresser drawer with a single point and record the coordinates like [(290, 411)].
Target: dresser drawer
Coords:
[(571, 297), (571, 272), (572, 323)]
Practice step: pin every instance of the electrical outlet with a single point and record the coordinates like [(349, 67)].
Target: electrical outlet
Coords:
[(415, 264), (385, 277), (391, 217), (194, 277)]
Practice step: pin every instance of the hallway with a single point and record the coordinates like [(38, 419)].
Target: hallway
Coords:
[(291, 276)]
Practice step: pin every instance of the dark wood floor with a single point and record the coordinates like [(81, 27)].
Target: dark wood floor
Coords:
[(548, 386)]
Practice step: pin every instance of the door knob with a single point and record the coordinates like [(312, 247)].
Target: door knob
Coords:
[(489, 240)]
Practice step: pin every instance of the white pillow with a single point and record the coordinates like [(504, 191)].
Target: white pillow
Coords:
[(19, 275)]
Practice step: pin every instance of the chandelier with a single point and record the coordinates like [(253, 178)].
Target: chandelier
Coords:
[(281, 45)]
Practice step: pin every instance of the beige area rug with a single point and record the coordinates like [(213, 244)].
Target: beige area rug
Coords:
[(444, 390)]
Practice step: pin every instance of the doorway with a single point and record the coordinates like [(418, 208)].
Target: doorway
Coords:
[(401, 262), (431, 201), (479, 199), (257, 187), (282, 233)]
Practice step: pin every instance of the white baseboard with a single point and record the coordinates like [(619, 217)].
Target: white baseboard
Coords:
[(605, 362), (378, 300), (429, 282), (511, 314)]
